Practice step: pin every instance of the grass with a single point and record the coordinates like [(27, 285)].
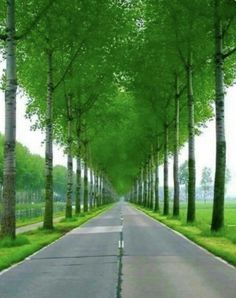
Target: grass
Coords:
[(29, 221), (37, 218), (222, 243), (14, 251)]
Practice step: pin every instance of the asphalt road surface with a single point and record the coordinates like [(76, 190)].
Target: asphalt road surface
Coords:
[(85, 263)]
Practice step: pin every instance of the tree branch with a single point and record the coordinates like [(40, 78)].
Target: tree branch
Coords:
[(89, 103), (36, 20), (229, 53), (226, 28), (182, 90), (68, 67)]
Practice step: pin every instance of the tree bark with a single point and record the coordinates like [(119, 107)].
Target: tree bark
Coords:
[(48, 214), (69, 159), (166, 186), (140, 189), (8, 221), (191, 144), (176, 154), (85, 203), (78, 186), (100, 190), (96, 190), (104, 190), (78, 165), (157, 204), (91, 190), (145, 187), (149, 185), (219, 185), (152, 186)]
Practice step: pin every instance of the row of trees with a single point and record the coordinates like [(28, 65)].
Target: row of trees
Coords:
[(120, 85), (30, 178), (189, 59)]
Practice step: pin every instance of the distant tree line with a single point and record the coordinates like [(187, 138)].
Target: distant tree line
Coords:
[(30, 176)]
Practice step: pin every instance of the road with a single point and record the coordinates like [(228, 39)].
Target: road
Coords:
[(156, 262)]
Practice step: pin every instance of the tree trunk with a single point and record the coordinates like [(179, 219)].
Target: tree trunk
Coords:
[(176, 154), (166, 186), (104, 191), (48, 214), (145, 187), (78, 186), (140, 189), (69, 159), (8, 221), (100, 190), (91, 190), (157, 204), (78, 165), (152, 188), (85, 203), (219, 186), (191, 144), (148, 186), (96, 190)]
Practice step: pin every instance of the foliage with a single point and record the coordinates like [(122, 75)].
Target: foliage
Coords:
[(30, 171)]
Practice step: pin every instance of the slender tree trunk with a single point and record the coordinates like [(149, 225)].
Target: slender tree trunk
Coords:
[(85, 185), (140, 187), (48, 214), (152, 189), (166, 186), (148, 185), (104, 191), (91, 190), (100, 190), (78, 186), (176, 154), (69, 159), (219, 186), (78, 165), (96, 190), (191, 144), (145, 187), (8, 221), (157, 204)]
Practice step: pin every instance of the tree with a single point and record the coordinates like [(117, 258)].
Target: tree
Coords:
[(206, 183), (183, 176), (10, 38), (221, 26)]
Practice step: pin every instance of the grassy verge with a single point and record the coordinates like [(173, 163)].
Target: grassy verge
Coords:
[(222, 244), (29, 221), (26, 244)]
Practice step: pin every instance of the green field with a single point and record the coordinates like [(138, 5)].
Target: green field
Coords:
[(222, 243)]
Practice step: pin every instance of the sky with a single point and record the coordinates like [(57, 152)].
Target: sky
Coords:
[(205, 143)]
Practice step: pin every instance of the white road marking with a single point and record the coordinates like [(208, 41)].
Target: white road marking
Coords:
[(121, 244), (96, 230), (38, 251)]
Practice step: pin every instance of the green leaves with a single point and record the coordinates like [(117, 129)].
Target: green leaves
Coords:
[(118, 60)]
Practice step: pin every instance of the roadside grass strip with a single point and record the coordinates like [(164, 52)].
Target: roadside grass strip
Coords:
[(25, 244), (222, 244)]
